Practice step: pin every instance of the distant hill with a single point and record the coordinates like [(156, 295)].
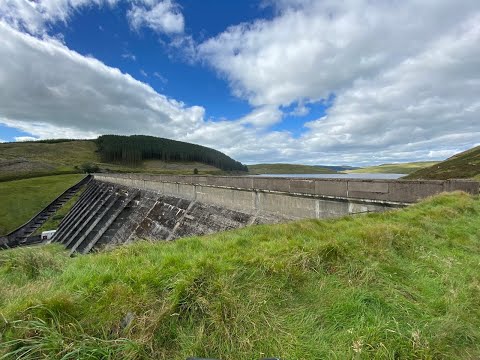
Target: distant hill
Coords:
[(132, 150), (20, 160), (461, 166), (288, 169), (400, 168), (30, 159), (339, 167)]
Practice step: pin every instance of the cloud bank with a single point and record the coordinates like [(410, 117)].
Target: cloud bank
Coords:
[(403, 75)]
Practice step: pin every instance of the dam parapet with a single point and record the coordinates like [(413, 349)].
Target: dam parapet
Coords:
[(281, 196)]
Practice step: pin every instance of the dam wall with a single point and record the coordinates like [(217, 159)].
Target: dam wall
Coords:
[(109, 214), (292, 198), (119, 208)]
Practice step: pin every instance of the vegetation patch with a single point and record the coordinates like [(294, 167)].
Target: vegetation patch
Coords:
[(397, 285), (461, 166), (21, 199), (22, 160), (133, 150)]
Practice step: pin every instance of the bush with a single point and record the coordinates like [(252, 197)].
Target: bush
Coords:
[(89, 168)]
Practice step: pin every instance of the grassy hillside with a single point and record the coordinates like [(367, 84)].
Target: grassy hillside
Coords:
[(288, 169), (461, 166), (31, 159), (21, 199), (398, 285), (400, 168), (28, 159), (134, 149)]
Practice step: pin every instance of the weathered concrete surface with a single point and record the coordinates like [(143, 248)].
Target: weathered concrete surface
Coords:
[(110, 214), (292, 198), (384, 190)]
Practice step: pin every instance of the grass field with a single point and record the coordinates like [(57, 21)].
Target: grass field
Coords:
[(461, 166), (397, 285), (22, 199), (400, 168), (287, 169)]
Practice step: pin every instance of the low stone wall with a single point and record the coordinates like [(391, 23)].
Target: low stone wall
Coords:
[(292, 198)]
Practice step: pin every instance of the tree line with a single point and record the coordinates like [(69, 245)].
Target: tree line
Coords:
[(132, 150)]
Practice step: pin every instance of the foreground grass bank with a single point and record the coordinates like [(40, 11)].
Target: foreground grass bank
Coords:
[(20, 200), (399, 285)]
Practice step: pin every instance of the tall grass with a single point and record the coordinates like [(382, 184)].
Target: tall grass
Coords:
[(399, 285)]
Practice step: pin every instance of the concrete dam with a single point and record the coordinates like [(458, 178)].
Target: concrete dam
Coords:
[(119, 208)]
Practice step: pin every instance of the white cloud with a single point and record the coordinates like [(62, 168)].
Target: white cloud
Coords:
[(37, 16), (159, 76), (51, 91), (24, 138), (129, 56), (162, 17), (404, 74), (263, 117)]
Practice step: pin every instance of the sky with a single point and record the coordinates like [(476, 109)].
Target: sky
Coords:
[(358, 82)]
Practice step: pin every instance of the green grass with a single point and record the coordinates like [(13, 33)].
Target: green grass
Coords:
[(288, 169), (461, 166), (398, 285), (21, 199), (400, 168)]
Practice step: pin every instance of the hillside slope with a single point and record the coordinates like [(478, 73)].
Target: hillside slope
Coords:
[(397, 285), (28, 159), (288, 169), (40, 158), (461, 166), (400, 168)]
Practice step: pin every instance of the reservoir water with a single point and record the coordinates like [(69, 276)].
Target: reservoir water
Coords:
[(338, 176)]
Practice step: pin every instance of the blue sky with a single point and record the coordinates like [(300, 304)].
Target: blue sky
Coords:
[(315, 82)]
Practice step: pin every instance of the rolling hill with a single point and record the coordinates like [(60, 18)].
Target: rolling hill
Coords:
[(40, 158), (288, 169), (400, 168), (460, 166)]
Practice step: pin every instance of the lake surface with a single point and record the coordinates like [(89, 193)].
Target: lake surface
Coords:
[(338, 176)]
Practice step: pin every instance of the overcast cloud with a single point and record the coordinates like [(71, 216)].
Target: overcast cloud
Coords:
[(405, 76)]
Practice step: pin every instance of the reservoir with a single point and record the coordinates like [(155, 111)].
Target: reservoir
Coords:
[(337, 176)]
